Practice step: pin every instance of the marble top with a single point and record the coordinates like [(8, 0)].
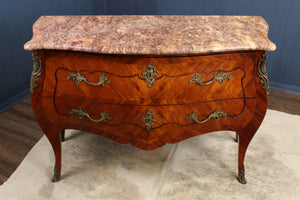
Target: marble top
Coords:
[(157, 35)]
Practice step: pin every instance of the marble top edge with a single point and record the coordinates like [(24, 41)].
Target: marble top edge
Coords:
[(150, 34)]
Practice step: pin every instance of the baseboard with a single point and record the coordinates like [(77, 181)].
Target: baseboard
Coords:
[(14, 100), (285, 87)]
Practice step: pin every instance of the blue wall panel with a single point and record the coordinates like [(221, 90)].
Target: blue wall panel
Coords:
[(130, 7), (16, 20)]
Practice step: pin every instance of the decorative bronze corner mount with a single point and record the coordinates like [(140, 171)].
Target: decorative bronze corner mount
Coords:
[(262, 73), (36, 71)]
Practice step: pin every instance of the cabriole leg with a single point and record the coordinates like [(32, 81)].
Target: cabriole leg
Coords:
[(55, 141), (244, 138)]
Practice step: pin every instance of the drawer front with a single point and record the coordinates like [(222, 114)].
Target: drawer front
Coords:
[(150, 81), (149, 127), (187, 88), (151, 117)]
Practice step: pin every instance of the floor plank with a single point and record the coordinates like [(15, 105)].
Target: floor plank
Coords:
[(284, 102), (19, 131)]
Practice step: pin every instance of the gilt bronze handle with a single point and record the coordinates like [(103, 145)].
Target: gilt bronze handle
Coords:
[(220, 77), (215, 115), (84, 114), (78, 77)]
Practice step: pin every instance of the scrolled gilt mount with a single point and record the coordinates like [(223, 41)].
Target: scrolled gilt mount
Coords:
[(215, 115), (36, 71), (79, 77), (220, 77), (84, 114), (149, 119), (262, 73), (149, 74)]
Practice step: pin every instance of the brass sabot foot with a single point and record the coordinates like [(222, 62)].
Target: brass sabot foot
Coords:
[(241, 177), (56, 176)]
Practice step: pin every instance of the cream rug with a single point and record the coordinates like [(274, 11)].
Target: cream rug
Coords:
[(203, 167)]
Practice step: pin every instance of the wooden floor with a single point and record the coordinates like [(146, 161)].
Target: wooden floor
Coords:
[(19, 131)]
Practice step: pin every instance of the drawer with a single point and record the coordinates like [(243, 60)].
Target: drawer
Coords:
[(150, 81), (151, 117), (149, 127), (186, 88)]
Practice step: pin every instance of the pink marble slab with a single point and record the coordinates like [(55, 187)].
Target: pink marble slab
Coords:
[(138, 34)]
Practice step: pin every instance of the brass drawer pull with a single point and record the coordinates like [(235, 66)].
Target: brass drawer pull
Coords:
[(215, 115), (83, 113), (81, 77), (149, 74), (220, 77), (149, 119)]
